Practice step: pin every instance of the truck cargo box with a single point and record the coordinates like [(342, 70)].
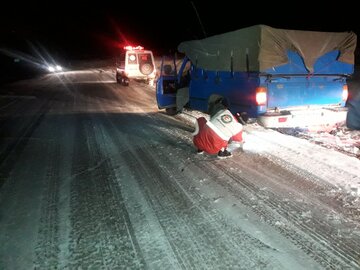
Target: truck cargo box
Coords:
[(282, 77)]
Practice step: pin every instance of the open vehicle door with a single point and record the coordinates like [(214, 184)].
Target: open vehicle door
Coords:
[(166, 85), (172, 88)]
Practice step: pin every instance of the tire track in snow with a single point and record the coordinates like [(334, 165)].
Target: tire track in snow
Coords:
[(53, 236), (213, 239), (101, 236), (285, 216), (47, 248), (197, 239), (154, 246)]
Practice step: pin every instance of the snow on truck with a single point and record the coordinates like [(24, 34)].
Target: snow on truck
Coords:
[(283, 78)]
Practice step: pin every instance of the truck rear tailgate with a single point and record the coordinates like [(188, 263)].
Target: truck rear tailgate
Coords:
[(291, 91)]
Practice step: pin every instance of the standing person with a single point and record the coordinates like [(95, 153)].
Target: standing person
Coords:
[(214, 135)]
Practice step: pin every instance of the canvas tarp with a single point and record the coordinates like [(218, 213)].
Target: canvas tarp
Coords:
[(260, 47)]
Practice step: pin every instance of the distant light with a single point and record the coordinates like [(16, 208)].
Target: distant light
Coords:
[(51, 68), (58, 68)]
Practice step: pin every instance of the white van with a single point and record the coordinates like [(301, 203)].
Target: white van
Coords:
[(135, 63)]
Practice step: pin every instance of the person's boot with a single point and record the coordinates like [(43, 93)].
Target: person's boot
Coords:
[(224, 154)]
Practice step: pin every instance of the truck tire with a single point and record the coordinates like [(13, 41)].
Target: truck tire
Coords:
[(118, 78), (171, 111), (122, 80), (243, 118), (146, 69)]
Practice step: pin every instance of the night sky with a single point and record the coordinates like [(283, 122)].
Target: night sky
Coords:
[(98, 30)]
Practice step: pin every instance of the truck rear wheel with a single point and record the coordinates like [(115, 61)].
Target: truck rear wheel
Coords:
[(171, 111), (243, 117)]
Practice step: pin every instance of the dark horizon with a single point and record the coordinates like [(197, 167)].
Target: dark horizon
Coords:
[(87, 31)]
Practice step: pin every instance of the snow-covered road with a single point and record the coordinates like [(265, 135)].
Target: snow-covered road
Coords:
[(93, 176)]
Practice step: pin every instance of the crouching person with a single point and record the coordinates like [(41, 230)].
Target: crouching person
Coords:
[(213, 136)]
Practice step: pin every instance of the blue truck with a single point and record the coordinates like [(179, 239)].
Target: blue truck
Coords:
[(282, 78)]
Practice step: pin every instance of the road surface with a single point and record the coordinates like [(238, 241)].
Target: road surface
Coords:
[(94, 176)]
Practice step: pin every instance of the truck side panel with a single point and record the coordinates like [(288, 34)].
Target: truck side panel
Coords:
[(238, 88)]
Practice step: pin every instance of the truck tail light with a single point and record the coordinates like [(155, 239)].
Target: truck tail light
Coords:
[(261, 95), (345, 92)]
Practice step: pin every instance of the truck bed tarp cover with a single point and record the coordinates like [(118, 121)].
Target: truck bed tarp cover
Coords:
[(266, 47)]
